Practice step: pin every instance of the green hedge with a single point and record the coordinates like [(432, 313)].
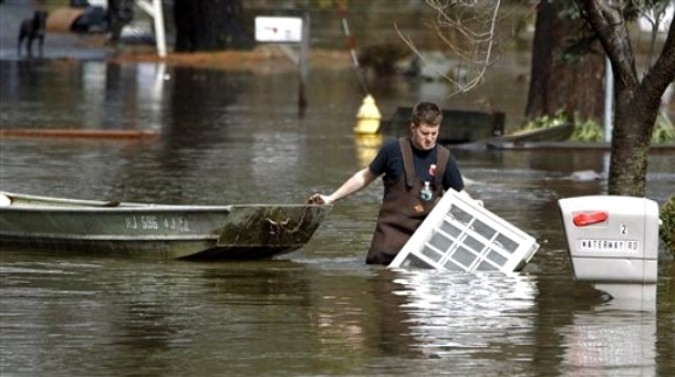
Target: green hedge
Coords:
[(667, 230)]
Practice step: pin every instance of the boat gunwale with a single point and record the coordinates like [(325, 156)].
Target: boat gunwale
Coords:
[(43, 203), (149, 209)]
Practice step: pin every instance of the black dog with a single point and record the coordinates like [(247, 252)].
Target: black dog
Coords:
[(33, 28)]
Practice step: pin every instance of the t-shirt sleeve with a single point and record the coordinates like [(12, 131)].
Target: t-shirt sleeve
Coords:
[(379, 163), (452, 177)]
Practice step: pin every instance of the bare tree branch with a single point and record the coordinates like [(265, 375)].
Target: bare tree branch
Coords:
[(467, 28)]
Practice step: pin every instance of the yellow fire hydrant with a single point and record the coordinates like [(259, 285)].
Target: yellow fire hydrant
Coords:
[(368, 117)]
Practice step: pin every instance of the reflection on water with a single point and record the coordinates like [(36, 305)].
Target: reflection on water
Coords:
[(82, 95), (446, 311), (236, 138), (600, 340), (367, 147)]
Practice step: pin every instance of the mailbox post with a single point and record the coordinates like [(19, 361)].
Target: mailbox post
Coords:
[(613, 243), (288, 30)]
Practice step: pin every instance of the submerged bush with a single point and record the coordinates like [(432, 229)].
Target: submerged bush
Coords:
[(667, 230), (590, 130), (664, 131)]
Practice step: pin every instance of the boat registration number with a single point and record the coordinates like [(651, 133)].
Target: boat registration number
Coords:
[(152, 222)]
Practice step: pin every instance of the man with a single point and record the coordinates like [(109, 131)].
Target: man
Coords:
[(415, 171)]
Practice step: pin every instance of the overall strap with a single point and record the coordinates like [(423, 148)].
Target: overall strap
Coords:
[(443, 154), (408, 165)]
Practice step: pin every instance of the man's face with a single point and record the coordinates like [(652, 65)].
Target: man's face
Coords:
[(424, 136)]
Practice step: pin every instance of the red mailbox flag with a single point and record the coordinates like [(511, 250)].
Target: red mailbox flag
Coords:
[(590, 218)]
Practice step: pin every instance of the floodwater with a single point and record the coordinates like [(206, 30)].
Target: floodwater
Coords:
[(238, 137)]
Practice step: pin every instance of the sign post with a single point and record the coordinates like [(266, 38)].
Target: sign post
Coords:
[(284, 31), (154, 9)]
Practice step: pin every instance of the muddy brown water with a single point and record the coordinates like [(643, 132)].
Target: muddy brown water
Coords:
[(236, 137)]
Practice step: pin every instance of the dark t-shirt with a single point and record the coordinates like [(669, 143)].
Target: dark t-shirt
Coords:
[(389, 161)]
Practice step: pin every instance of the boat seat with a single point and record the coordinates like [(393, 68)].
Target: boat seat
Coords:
[(5, 201)]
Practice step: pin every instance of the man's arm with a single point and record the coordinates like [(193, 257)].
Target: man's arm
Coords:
[(356, 182)]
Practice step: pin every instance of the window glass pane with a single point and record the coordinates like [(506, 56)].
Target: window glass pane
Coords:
[(450, 229), (506, 243), (440, 242), (485, 266), (474, 244), (463, 256), (413, 261), (460, 215), (431, 254), (450, 265), (482, 229), (497, 258)]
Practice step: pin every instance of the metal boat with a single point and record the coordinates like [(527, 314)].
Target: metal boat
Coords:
[(154, 230)]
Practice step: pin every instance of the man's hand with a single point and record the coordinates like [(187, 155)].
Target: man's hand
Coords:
[(318, 199), (466, 195)]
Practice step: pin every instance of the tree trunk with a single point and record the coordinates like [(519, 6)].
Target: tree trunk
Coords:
[(207, 25), (631, 138), (636, 102), (556, 84)]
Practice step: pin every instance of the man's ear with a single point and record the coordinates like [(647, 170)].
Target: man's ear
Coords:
[(412, 126)]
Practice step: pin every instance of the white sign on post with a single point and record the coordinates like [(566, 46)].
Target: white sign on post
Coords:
[(278, 29)]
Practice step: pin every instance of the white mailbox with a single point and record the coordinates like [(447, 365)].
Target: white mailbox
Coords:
[(613, 243), (278, 29)]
